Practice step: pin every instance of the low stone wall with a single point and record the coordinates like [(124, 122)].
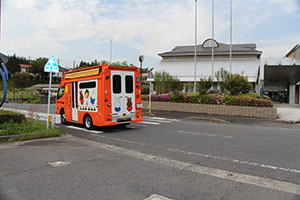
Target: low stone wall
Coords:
[(241, 111)]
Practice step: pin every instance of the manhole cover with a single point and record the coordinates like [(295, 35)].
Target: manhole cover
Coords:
[(157, 197), (59, 163)]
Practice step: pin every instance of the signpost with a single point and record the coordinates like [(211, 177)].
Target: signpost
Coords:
[(50, 67)]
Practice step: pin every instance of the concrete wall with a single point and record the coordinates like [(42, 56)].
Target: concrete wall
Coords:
[(241, 111)]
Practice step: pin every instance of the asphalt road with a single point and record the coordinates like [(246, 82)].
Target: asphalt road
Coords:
[(178, 159)]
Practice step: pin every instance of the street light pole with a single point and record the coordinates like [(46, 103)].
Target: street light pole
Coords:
[(141, 59), (150, 88), (195, 56)]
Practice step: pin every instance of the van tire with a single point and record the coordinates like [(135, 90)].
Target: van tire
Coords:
[(88, 123), (63, 117)]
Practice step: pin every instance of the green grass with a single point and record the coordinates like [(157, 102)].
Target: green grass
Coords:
[(28, 130)]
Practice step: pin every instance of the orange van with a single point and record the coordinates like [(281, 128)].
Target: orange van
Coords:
[(101, 95)]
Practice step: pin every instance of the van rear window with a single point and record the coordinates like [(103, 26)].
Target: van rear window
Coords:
[(116, 84), (85, 85), (129, 84)]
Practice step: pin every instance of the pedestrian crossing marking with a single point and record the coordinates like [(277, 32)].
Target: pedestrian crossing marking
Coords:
[(157, 120)]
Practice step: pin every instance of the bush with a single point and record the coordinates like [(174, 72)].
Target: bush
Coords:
[(216, 99), (205, 85), (145, 89), (237, 84), (10, 117), (164, 82)]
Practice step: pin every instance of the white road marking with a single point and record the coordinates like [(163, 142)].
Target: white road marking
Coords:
[(158, 120), (153, 123), (161, 118), (59, 163), (83, 129), (223, 174), (205, 134), (266, 166), (157, 197)]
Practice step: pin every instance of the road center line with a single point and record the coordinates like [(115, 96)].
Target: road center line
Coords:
[(223, 174), (206, 134)]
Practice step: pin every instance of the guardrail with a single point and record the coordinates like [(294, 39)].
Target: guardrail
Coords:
[(37, 116)]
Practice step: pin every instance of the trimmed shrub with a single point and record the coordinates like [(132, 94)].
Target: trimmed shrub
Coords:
[(216, 99), (10, 117)]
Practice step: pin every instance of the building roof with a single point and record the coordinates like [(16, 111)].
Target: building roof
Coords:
[(219, 49), (292, 50), (4, 57), (24, 65)]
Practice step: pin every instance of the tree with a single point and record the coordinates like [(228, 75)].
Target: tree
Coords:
[(221, 76), (165, 83), (37, 67), (204, 85), (237, 84), (13, 64), (21, 79)]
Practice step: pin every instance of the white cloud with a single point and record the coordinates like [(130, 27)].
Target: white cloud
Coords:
[(279, 48), (81, 29)]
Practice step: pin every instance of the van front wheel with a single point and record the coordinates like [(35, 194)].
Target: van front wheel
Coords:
[(63, 117), (88, 122)]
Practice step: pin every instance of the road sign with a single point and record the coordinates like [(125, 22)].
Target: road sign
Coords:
[(51, 66)]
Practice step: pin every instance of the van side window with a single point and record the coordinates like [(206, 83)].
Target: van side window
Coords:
[(129, 84), (87, 85), (116, 84), (60, 92)]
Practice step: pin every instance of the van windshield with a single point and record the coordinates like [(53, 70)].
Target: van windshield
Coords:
[(60, 92)]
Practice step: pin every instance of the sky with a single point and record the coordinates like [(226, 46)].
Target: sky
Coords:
[(74, 30)]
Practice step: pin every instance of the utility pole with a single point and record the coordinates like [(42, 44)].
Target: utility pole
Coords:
[(195, 56), (110, 51), (230, 56), (213, 37)]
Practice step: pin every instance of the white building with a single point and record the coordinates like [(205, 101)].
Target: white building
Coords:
[(179, 62)]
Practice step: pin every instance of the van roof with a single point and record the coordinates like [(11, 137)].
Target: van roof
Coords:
[(94, 70)]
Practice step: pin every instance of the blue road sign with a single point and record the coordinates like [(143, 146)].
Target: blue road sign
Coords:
[(51, 66), (4, 76)]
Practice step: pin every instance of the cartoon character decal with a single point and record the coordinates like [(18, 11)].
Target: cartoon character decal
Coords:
[(87, 93), (117, 105), (92, 100), (129, 104), (81, 97)]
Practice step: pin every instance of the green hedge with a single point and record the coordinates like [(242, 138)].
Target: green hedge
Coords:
[(251, 99), (10, 117)]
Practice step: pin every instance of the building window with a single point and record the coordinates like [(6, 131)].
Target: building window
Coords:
[(209, 43)]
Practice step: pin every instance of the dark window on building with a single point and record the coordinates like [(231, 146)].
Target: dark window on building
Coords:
[(116, 84), (60, 92), (129, 84), (87, 85)]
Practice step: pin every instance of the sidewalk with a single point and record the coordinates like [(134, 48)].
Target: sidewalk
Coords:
[(287, 116), (289, 113)]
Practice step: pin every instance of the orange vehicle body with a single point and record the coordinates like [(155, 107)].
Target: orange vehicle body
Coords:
[(108, 95)]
